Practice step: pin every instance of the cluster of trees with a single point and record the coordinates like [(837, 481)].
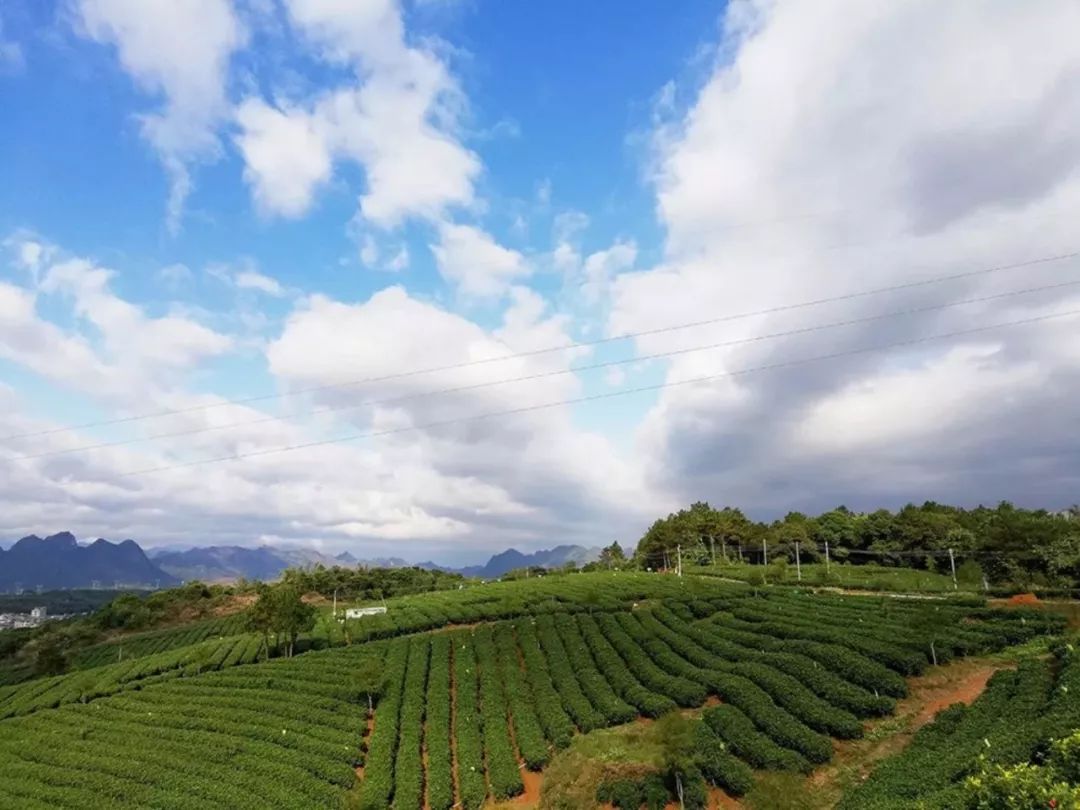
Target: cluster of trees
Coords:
[(1009, 544), (367, 583), (280, 610)]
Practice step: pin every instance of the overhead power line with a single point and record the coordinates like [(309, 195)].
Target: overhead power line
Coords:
[(560, 348), (554, 373), (602, 396)]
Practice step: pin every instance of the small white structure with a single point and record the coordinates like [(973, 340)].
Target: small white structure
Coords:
[(38, 613), (359, 613)]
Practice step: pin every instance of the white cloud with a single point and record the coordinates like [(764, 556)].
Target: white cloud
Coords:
[(128, 333), (419, 493), (800, 172), (286, 157), (398, 121), (181, 52), (253, 280), (475, 263), (244, 274), (115, 351)]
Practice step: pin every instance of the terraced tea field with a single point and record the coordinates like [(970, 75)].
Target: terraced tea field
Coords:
[(481, 687)]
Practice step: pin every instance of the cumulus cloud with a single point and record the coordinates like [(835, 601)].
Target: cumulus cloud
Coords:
[(471, 260), (179, 52), (254, 280), (558, 474), (244, 274), (398, 119), (436, 482), (799, 172), (106, 347), (285, 155)]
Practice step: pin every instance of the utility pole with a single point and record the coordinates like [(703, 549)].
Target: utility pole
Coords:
[(334, 614), (740, 554), (952, 563), (827, 557), (712, 547), (798, 564), (723, 544), (678, 550), (765, 551)]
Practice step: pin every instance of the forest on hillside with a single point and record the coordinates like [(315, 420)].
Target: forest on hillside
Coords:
[(1004, 544)]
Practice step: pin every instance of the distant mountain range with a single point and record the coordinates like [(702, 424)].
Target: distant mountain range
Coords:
[(511, 559), (59, 561), (212, 563)]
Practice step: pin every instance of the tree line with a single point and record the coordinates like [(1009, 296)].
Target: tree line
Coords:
[(1009, 544)]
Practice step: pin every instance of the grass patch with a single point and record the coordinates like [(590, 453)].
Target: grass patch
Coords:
[(572, 778), (782, 791)]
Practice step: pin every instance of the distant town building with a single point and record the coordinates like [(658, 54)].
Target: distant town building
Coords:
[(359, 613), (38, 612)]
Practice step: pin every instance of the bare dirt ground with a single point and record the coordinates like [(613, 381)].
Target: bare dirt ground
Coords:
[(235, 604), (368, 731), (533, 782)]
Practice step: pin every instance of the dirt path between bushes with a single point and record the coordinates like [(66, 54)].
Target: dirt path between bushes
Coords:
[(369, 729), (958, 682)]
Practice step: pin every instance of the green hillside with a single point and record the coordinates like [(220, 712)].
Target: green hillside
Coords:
[(524, 669)]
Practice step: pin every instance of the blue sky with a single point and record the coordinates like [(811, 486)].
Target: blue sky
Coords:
[(566, 123), (209, 201)]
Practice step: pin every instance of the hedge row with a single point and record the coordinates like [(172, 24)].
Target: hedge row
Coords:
[(719, 766), (409, 765), (83, 686), (831, 686), (557, 725), (467, 738), (562, 672), (378, 784), (785, 690), (627, 636), (213, 745), (619, 675), (900, 659), (945, 751), (440, 765), (776, 722), (848, 664), (528, 734), (502, 765), (596, 687), (749, 744)]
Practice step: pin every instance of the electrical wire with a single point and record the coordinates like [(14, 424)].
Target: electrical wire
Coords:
[(564, 347), (547, 374), (596, 397)]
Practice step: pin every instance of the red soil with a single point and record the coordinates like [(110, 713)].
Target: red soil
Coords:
[(964, 690), (1024, 599), (368, 731), (533, 781)]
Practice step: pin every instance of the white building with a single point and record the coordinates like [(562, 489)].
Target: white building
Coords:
[(38, 613), (359, 613)]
